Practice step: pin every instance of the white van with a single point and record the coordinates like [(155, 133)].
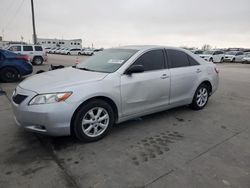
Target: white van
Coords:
[(36, 53)]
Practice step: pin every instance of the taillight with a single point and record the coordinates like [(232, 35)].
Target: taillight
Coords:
[(23, 57), (216, 70)]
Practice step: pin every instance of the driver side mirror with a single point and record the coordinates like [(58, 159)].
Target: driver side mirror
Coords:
[(134, 69)]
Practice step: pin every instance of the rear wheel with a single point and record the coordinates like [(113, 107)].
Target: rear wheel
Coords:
[(200, 97), (9, 74), (38, 60), (93, 121)]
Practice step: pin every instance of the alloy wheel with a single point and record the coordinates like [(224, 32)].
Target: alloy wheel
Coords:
[(202, 97), (95, 122)]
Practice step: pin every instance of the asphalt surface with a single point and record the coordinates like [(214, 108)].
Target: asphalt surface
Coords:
[(174, 148)]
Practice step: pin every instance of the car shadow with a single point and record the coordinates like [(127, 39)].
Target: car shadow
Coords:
[(64, 142)]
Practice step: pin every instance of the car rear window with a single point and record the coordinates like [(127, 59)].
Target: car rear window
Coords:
[(27, 48), (38, 48)]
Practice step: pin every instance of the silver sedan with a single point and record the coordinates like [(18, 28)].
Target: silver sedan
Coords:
[(113, 86)]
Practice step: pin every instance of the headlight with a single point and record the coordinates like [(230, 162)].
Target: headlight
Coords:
[(49, 98)]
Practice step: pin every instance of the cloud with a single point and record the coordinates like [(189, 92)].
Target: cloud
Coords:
[(112, 22)]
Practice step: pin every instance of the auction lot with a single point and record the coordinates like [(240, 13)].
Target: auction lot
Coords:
[(175, 148)]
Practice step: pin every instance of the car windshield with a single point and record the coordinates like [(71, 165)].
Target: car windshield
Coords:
[(209, 52), (231, 53), (107, 61)]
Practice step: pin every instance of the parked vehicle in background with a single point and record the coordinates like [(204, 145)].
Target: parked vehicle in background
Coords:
[(98, 50), (246, 59), (58, 50), (63, 52), (216, 56), (198, 52), (36, 53), (47, 49), (51, 50), (234, 56), (13, 66), (113, 86), (73, 51), (88, 51)]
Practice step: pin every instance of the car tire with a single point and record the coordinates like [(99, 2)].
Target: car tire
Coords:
[(222, 60), (211, 60), (9, 74), (68, 53), (37, 61), (88, 126), (201, 97), (79, 53), (233, 60)]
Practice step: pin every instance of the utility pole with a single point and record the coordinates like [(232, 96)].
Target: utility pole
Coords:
[(33, 23)]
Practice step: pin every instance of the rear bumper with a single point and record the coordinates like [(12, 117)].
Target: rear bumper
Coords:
[(26, 69)]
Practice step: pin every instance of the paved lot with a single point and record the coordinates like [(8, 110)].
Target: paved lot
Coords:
[(175, 148)]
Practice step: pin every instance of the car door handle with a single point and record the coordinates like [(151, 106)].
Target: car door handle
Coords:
[(164, 76), (198, 70)]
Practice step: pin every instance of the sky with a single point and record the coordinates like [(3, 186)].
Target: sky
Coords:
[(110, 23)]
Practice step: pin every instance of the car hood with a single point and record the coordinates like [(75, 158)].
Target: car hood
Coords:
[(59, 80)]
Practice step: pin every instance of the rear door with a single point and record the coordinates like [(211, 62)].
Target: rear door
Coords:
[(29, 51), (147, 90), (185, 72)]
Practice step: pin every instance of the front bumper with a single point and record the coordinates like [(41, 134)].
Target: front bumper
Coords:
[(228, 59), (50, 119)]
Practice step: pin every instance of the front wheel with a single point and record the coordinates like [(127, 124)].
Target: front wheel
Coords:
[(211, 60), (93, 121), (200, 97)]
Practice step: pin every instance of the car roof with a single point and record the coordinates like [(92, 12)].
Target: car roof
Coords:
[(148, 47)]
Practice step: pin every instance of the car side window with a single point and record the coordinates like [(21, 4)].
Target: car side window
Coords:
[(152, 60), (27, 48), (177, 58), (38, 48), (15, 48)]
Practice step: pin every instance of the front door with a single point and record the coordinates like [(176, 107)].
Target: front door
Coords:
[(147, 90)]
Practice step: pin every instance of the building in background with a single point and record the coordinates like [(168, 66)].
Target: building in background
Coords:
[(60, 43), (5, 44)]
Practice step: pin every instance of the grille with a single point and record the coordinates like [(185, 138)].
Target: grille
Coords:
[(18, 99)]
